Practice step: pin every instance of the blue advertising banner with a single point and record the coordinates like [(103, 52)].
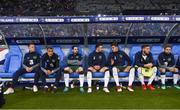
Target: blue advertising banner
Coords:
[(64, 40), (146, 39), (106, 40), (89, 19)]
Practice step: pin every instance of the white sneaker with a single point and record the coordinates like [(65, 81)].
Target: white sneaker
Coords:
[(35, 89), (130, 89), (9, 91), (72, 86), (119, 89), (106, 90), (89, 90)]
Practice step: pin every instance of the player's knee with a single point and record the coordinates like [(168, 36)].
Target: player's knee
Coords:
[(176, 70), (114, 69), (80, 69), (66, 70), (155, 69), (139, 69), (162, 70)]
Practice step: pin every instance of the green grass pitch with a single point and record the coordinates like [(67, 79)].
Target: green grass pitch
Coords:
[(159, 99)]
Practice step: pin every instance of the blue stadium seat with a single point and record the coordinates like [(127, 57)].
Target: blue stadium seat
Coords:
[(176, 51), (60, 53), (12, 62), (134, 49), (156, 50)]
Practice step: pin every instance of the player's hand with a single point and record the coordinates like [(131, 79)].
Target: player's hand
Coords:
[(30, 69), (27, 69), (112, 62), (149, 65), (49, 72), (171, 69)]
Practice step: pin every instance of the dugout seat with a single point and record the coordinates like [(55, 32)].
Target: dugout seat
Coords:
[(12, 62), (134, 49)]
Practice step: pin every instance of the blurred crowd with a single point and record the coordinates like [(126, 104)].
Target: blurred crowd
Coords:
[(92, 30), (81, 7), (36, 7)]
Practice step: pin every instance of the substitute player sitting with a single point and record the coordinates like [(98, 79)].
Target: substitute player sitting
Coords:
[(30, 64), (50, 65), (119, 61), (97, 63), (145, 66), (74, 65), (166, 62)]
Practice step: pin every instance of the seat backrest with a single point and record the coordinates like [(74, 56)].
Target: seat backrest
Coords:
[(60, 53), (134, 49), (156, 50), (14, 63), (176, 49), (39, 49), (13, 59)]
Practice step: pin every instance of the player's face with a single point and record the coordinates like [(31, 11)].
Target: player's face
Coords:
[(50, 52), (114, 48), (75, 50), (31, 48), (167, 50), (100, 48), (146, 50)]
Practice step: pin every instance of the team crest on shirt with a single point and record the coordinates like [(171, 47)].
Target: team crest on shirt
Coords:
[(94, 58), (120, 56), (169, 59), (100, 57), (34, 57), (51, 65), (53, 60), (114, 57)]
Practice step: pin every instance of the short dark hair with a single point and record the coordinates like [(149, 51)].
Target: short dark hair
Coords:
[(30, 44), (144, 46), (99, 44), (48, 47), (114, 44), (74, 46), (167, 45)]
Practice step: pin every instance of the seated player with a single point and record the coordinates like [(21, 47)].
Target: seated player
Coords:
[(30, 64), (119, 61), (145, 67), (74, 65), (166, 62), (97, 63), (50, 65)]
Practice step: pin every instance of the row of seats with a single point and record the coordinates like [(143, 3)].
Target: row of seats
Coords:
[(14, 59)]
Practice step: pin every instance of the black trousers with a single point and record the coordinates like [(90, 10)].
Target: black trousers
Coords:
[(22, 71), (44, 76)]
